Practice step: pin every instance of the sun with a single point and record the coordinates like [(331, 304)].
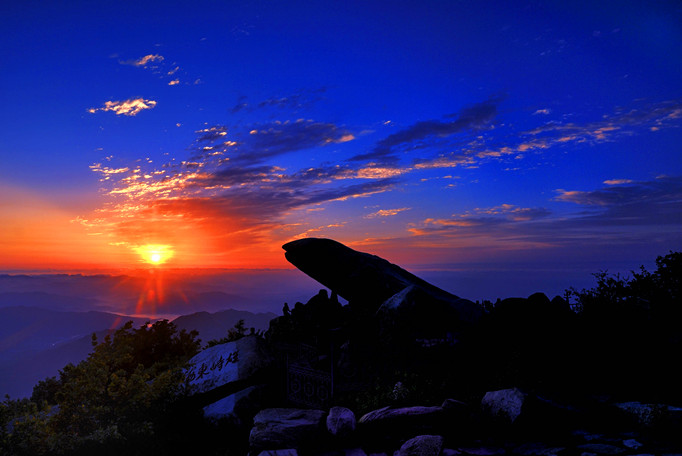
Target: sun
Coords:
[(155, 253)]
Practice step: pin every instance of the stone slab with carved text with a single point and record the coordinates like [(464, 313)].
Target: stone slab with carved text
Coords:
[(226, 363)]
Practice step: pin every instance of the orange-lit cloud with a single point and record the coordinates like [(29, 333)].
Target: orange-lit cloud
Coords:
[(386, 212), (233, 195), (223, 201), (130, 107), (618, 181), (144, 61)]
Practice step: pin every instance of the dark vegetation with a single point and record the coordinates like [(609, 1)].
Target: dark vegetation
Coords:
[(618, 339)]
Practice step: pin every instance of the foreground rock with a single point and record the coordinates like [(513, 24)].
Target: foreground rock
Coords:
[(396, 431), (651, 415), (394, 416), (386, 426), (422, 445), (504, 405), (278, 428), (237, 407), (341, 421)]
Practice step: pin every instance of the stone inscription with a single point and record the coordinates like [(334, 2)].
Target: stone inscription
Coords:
[(205, 369)]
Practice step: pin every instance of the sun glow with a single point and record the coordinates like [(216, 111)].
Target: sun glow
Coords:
[(155, 253)]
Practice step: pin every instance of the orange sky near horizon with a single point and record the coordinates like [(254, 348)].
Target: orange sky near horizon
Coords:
[(37, 235)]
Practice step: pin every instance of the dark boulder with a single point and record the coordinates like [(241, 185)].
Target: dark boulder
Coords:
[(286, 428), (422, 445)]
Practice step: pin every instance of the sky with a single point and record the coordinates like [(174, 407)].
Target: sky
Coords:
[(441, 135)]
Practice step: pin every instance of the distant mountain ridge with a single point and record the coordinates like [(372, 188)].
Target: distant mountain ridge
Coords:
[(216, 325), (46, 300), (27, 328)]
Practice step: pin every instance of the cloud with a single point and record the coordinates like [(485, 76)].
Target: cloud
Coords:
[(515, 213), (654, 202), (474, 117), (386, 212), (144, 61), (503, 145), (292, 102), (226, 197), (641, 215), (237, 189), (258, 142), (130, 107), (621, 122), (618, 181)]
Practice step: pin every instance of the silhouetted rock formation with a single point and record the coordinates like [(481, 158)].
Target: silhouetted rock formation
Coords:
[(370, 281)]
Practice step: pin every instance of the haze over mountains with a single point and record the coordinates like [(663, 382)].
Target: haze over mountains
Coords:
[(36, 343), (47, 321)]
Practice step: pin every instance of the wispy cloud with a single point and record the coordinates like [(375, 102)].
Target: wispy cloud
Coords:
[(480, 218), (618, 181), (267, 140), (165, 69), (505, 145), (145, 61), (235, 188), (130, 107), (292, 102), (654, 202), (641, 214), (424, 133), (226, 192), (386, 212)]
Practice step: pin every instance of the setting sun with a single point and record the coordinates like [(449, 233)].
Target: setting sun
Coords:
[(155, 253)]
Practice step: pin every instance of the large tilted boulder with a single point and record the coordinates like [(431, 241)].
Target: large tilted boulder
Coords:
[(276, 428), (368, 280), (226, 367)]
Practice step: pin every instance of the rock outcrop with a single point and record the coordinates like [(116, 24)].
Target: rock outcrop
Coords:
[(371, 281)]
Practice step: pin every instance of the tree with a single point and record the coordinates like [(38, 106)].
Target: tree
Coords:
[(115, 400), (634, 321), (235, 333)]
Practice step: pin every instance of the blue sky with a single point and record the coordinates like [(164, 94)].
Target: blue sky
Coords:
[(439, 134)]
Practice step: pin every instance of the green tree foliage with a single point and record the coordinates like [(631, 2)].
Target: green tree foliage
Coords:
[(120, 396)]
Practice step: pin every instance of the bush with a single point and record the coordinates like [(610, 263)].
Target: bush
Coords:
[(117, 401)]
